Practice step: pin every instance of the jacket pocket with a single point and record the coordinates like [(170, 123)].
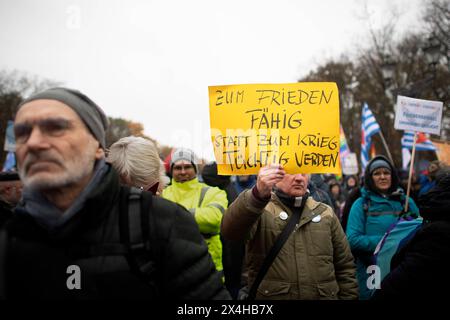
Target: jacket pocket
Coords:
[(270, 289), (328, 290)]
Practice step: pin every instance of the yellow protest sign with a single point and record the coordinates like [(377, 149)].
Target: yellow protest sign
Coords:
[(293, 124)]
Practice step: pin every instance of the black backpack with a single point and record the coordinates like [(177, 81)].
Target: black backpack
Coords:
[(136, 229)]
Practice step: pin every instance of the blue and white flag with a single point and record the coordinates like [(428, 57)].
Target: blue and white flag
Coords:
[(369, 127), (423, 143)]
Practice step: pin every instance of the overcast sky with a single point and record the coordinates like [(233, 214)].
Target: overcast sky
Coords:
[(152, 61)]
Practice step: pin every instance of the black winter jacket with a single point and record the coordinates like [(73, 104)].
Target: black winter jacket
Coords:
[(36, 262), (420, 268), (5, 212)]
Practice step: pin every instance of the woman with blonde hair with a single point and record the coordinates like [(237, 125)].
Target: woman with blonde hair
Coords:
[(137, 161)]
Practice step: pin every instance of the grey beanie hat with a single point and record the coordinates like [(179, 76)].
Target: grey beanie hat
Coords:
[(184, 154), (90, 113), (379, 163)]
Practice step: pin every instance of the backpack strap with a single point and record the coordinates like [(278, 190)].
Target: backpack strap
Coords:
[(135, 233), (366, 205), (383, 213)]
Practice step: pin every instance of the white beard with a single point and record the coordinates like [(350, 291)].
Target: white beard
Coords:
[(73, 170)]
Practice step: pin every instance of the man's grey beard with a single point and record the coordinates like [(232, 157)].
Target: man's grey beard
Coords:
[(74, 171)]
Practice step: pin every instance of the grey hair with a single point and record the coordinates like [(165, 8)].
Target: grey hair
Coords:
[(137, 161)]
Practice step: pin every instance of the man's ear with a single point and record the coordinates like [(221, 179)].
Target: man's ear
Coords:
[(100, 153)]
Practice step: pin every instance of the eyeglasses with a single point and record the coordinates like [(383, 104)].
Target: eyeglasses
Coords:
[(186, 167), (52, 127)]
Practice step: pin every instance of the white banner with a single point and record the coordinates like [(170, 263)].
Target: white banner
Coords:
[(350, 164), (418, 115)]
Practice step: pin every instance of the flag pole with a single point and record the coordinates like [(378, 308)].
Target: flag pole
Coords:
[(386, 147), (411, 166)]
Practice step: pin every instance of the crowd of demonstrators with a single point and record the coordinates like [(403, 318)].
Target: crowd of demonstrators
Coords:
[(206, 204), (241, 183), (10, 194), (75, 215), (315, 262), (419, 269), (381, 203), (141, 228)]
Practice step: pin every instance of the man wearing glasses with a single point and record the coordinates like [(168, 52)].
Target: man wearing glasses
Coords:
[(78, 234), (207, 204)]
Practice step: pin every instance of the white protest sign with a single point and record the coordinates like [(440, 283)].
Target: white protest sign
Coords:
[(418, 115), (350, 164)]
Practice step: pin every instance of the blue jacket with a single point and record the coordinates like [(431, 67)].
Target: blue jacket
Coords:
[(365, 229), (370, 217)]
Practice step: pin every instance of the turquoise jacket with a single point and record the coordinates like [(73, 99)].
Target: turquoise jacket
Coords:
[(366, 228), (370, 217)]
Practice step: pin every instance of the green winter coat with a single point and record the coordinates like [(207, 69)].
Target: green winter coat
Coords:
[(207, 204), (315, 262)]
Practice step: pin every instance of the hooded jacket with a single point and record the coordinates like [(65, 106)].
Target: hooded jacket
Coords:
[(370, 217), (420, 269)]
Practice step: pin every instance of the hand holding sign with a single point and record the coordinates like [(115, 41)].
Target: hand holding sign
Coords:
[(268, 177)]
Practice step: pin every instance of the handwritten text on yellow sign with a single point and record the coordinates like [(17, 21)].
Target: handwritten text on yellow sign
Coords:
[(295, 125)]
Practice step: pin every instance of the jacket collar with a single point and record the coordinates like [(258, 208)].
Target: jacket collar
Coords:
[(290, 201), (97, 205), (188, 185), (396, 195), (309, 212)]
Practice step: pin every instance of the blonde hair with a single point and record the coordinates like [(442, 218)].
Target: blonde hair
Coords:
[(137, 161)]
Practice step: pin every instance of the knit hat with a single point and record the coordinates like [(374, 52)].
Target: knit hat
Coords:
[(91, 114), (184, 154), (379, 163)]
